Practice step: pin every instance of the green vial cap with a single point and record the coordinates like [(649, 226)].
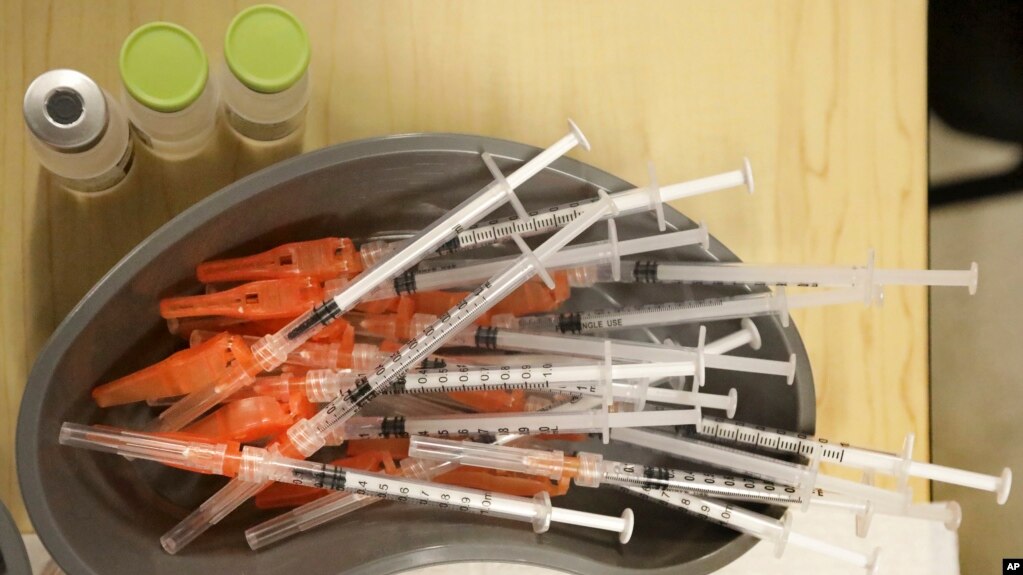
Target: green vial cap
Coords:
[(163, 66), (267, 48)]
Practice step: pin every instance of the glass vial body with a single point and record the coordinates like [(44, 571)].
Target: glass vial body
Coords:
[(265, 83), (170, 99), (78, 131)]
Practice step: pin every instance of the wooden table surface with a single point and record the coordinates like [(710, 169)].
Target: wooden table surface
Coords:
[(826, 98)]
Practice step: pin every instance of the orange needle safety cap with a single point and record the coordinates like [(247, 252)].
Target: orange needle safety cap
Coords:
[(244, 421), (266, 299), (502, 482), (320, 259), (182, 373)]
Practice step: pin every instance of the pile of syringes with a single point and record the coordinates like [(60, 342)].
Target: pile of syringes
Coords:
[(469, 369)]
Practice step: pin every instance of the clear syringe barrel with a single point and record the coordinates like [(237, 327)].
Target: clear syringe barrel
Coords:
[(583, 346), (259, 465), (595, 255), (699, 483), (591, 470), (776, 531), (320, 385), (525, 423), (637, 394), (678, 313), (332, 506), (759, 466), (549, 464), (856, 457), (737, 488), (628, 202), (807, 276), (577, 379), (800, 443)]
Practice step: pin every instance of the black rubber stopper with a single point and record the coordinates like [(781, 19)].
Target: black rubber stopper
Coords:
[(64, 106)]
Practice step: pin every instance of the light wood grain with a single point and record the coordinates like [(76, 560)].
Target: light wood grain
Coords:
[(826, 98)]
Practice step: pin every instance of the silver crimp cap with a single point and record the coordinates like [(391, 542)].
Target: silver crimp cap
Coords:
[(65, 110)]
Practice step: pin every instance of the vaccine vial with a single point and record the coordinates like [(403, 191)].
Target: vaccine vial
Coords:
[(266, 81), (78, 131), (170, 99)]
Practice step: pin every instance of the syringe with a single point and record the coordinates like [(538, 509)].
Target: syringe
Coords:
[(592, 470), (336, 505), (776, 303), (257, 465), (804, 276), (308, 435), (321, 386), (583, 346), (587, 469), (495, 425), (777, 531), (628, 202), (748, 334), (606, 252), (272, 350), (900, 465), (515, 372), (803, 477)]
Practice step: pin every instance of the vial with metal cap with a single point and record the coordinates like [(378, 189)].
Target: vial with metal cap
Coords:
[(79, 132), (171, 102), (266, 82)]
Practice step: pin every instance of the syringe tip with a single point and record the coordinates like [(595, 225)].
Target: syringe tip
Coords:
[(1004, 486), (974, 276), (747, 175), (630, 521), (790, 378), (733, 403)]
